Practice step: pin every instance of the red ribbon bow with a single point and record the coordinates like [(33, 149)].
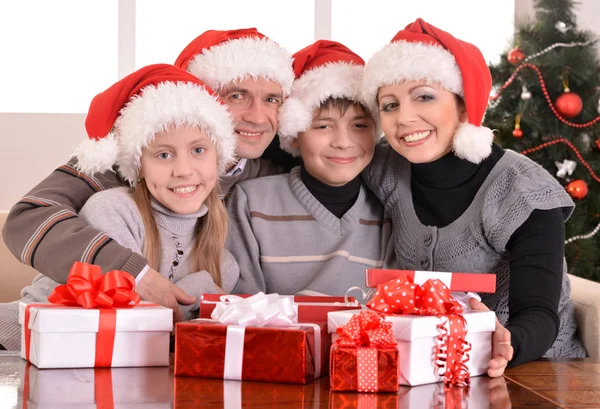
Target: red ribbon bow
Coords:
[(403, 297), (367, 329), (87, 287)]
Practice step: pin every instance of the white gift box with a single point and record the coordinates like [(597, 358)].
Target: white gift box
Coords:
[(417, 341), (65, 337), (78, 388)]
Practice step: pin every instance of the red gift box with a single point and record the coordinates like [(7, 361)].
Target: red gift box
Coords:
[(476, 282), (344, 368), (209, 349), (310, 308), (364, 357)]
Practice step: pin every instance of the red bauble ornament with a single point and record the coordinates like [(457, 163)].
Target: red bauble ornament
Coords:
[(569, 104), (598, 144), (516, 56), (577, 189), (517, 133)]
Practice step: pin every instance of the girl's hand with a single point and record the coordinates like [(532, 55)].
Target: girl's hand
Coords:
[(502, 350), (159, 290)]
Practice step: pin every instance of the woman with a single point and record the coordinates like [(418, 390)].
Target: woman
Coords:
[(461, 203)]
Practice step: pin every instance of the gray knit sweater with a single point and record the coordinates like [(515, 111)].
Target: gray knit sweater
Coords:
[(477, 240), (115, 213), (287, 242)]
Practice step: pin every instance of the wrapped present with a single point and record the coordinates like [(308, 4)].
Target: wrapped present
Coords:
[(309, 308), (217, 393), (95, 388), (436, 340), (481, 283), (95, 320), (256, 338), (364, 357)]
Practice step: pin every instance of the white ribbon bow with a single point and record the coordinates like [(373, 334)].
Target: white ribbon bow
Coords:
[(567, 167), (259, 310)]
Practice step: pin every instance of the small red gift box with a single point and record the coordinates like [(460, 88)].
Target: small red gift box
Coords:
[(364, 357), (310, 308), (476, 282), (209, 349)]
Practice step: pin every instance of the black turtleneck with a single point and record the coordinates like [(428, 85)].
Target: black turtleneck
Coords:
[(337, 199), (444, 189)]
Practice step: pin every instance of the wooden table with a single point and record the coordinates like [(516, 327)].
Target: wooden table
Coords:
[(542, 384)]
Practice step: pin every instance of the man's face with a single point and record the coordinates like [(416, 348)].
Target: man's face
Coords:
[(253, 103)]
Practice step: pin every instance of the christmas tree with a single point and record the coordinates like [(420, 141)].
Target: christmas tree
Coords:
[(545, 104)]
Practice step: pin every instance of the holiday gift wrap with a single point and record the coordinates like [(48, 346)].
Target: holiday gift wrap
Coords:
[(364, 357), (217, 393), (95, 388), (95, 320), (256, 338), (447, 345), (481, 283), (309, 308)]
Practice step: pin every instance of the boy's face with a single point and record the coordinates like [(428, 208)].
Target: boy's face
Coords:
[(419, 119), (335, 149), (253, 104), (180, 168)]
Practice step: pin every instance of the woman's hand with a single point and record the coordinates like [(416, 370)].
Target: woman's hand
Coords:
[(502, 350)]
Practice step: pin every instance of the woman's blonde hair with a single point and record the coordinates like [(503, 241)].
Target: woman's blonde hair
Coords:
[(211, 233)]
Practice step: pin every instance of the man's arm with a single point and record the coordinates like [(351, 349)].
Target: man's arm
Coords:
[(242, 244), (44, 231)]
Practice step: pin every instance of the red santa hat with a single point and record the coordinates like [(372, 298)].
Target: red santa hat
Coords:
[(220, 57), (126, 117), (424, 52), (325, 69)]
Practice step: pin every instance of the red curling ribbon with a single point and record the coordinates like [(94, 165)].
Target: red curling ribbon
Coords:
[(401, 296)]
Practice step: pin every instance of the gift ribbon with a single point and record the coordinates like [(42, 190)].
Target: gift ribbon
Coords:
[(404, 297), (259, 310), (366, 332), (88, 288)]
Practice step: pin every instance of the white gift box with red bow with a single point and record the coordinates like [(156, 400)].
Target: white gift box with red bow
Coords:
[(57, 336), (417, 343)]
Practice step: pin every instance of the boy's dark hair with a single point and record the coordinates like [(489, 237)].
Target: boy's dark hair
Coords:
[(341, 105)]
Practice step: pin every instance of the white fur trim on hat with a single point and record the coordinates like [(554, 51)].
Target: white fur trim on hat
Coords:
[(242, 58), (406, 61), (473, 143), (153, 111), (97, 155), (334, 80)]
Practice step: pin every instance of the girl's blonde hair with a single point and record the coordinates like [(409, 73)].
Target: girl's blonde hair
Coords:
[(211, 233)]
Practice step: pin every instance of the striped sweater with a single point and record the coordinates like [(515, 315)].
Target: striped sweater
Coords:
[(286, 241), (44, 231)]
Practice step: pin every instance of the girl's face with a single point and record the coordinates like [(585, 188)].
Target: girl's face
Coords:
[(335, 149), (420, 119), (180, 168)]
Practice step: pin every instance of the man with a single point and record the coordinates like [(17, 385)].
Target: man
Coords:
[(251, 73)]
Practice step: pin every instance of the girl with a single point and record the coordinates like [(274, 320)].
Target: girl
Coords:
[(317, 229), (461, 203), (170, 137)]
